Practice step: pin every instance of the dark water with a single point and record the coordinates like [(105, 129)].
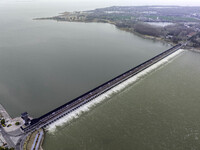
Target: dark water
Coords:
[(44, 64), (159, 112)]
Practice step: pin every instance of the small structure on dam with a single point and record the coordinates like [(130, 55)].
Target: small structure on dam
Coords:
[(26, 118)]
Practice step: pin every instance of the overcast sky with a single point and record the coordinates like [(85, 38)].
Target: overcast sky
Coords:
[(135, 2), (104, 3), (123, 2), (55, 6), (151, 2)]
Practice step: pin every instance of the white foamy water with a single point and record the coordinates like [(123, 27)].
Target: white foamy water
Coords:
[(75, 114)]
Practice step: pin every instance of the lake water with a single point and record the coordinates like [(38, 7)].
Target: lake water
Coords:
[(158, 112), (44, 64)]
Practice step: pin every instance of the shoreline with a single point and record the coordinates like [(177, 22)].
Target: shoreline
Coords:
[(10, 131), (129, 30), (146, 36)]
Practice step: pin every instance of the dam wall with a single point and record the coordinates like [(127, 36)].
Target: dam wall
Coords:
[(65, 109)]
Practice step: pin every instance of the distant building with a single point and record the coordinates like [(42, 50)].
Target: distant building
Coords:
[(191, 34), (169, 37), (149, 12), (142, 19), (25, 117)]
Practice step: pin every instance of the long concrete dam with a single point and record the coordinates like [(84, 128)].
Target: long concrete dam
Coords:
[(65, 109)]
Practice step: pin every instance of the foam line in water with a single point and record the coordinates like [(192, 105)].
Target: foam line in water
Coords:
[(116, 89)]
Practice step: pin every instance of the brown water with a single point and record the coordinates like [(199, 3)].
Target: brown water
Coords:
[(159, 112)]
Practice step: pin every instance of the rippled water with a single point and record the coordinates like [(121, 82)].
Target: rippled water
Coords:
[(160, 111)]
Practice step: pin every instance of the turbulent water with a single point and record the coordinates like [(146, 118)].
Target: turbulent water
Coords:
[(44, 64), (160, 111), (108, 94)]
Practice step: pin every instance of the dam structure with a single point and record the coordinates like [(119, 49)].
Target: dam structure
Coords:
[(72, 105)]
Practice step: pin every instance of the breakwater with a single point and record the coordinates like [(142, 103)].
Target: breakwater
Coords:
[(87, 97)]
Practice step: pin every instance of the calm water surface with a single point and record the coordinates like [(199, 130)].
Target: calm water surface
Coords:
[(160, 112), (44, 64)]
